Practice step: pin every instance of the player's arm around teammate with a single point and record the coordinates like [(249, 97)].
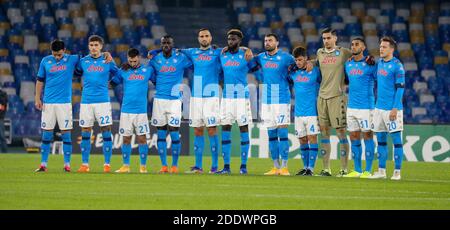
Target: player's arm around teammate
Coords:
[(95, 102), (204, 106), (275, 107), (235, 106), (169, 66), (133, 116)]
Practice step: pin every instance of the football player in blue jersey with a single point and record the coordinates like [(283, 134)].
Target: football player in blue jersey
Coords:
[(361, 101), (55, 74), (169, 66), (133, 116), (235, 105), (95, 102), (306, 86), (388, 114), (276, 97), (204, 107)]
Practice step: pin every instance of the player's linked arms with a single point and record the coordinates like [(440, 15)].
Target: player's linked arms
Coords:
[(108, 57), (153, 53), (310, 65), (370, 60)]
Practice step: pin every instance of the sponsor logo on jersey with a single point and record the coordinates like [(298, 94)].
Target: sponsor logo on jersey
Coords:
[(202, 57), (93, 68), (56, 68), (383, 72), (271, 65), (301, 78), (231, 63), (136, 77), (329, 60), (356, 72), (167, 69)]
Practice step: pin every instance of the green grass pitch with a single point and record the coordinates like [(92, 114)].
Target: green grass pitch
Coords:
[(423, 186)]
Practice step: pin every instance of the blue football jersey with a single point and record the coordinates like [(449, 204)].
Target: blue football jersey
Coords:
[(388, 74), (235, 69), (361, 78), (57, 76), (274, 71), (135, 88), (169, 74), (96, 74), (205, 82), (306, 88)]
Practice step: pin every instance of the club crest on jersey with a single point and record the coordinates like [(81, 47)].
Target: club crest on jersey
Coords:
[(175, 60), (338, 52), (278, 58), (144, 70)]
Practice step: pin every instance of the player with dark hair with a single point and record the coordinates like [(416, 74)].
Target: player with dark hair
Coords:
[(361, 100), (306, 86), (235, 106), (276, 97), (95, 102), (133, 115), (332, 101), (55, 73)]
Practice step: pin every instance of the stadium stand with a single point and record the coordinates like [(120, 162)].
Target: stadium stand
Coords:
[(28, 27), (422, 30)]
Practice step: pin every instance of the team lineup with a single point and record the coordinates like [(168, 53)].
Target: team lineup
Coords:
[(373, 104)]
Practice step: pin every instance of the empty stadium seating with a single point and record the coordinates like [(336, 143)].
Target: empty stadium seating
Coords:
[(422, 30)]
